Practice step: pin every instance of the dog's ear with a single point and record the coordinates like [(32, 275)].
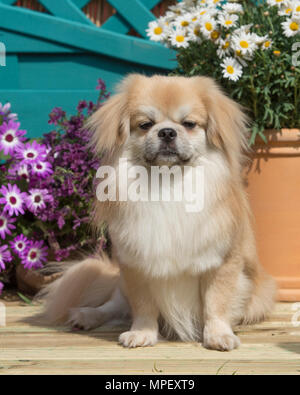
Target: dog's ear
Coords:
[(227, 123), (109, 125)]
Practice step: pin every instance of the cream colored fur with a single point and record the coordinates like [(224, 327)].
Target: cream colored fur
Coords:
[(193, 275)]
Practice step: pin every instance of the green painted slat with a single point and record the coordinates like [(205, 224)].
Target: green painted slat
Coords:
[(81, 3), (9, 75), (66, 9), (138, 16), (86, 37), (16, 42), (8, 2), (33, 107), (118, 24)]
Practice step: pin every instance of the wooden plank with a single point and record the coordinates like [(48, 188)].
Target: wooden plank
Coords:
[(66, 9), (52, 351), (86, 37), (8, 2), (138, 16)]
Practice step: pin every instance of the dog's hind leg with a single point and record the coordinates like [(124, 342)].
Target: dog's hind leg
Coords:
[(92, 317)]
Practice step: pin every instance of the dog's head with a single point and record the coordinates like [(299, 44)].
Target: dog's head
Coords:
[(169, 120)]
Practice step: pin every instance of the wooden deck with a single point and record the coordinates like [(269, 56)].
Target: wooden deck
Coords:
[(272, 347)]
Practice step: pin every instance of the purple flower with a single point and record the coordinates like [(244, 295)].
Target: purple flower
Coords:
[(5, 256), (13, 199), (82, 105), (31, 153), (10, 137), (42, 169), (101, 85), (1, 287), (35, 255), (37, 198), (56, 115), (6, 225), (5, 113), (19, 245)]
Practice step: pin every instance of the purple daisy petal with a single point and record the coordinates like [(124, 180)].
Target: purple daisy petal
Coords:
[(31, 153), (6, 225), (5, 256), (37, 199), (13, 199), (35, 255), (19, 245), (10, 137)]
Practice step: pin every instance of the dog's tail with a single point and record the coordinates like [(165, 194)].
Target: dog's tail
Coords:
[(88, 283)]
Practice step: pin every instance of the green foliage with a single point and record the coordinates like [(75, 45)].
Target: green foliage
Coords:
[(270, 85)]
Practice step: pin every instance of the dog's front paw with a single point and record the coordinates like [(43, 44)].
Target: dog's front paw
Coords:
[(85, 318), (141, 338), (219, 336)]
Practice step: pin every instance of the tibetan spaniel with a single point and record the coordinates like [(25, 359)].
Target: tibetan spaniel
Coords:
[(173, 272)]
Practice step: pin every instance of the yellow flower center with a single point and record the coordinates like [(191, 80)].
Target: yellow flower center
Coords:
[(197, 31), (184, 23), (158, 30), (180, 39), (202, 12), (277, 53), (208, 26), (214, 35), (194, 19), (244, 44), (298, 8), (288, 10), (294, 26), (225, 45), (228, 23), (267, 44), (230, 69), (238, 52), (279, 1)]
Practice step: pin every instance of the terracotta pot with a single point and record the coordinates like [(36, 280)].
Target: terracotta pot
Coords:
[(274, 188), (31, 281)]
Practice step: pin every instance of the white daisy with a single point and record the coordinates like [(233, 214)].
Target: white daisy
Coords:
[(243, 29), (267, 44), (194, 32), (208, 26), (286, 10), (183, 21), (231, 69), (232, 8), (244, 44), (157, 30), (291, 27), (179, 38), (296, 10), (277, 2), (224, 48), (228, 20)]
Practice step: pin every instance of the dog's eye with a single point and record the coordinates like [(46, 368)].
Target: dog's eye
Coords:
[(189, 124), (146, 125)]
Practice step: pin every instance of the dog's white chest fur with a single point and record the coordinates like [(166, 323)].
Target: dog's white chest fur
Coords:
[(163, 239)]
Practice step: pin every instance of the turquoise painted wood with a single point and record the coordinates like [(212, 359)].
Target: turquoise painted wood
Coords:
[(55, 58)]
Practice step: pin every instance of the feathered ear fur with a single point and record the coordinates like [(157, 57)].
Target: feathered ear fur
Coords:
[(109, 125), (227, 123)]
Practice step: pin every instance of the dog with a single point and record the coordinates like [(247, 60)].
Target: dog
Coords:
[(192, 276)]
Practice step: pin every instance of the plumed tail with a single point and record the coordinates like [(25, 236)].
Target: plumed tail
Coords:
[(88, 283)]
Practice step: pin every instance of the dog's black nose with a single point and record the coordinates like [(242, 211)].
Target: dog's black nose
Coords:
[(167, 134)]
